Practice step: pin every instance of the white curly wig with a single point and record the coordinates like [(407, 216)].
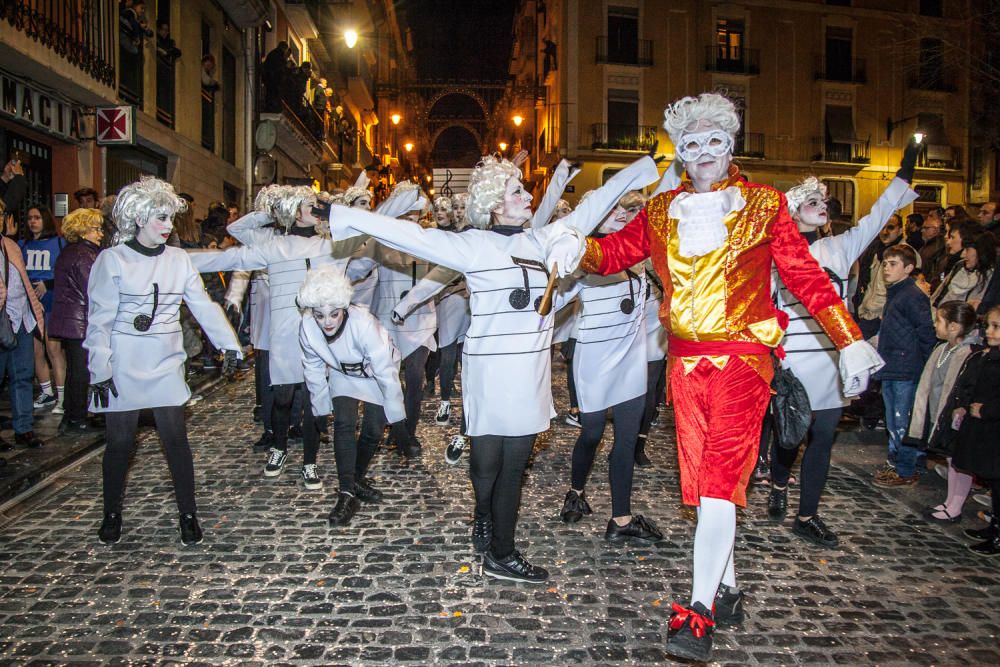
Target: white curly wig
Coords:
[(354, 193), (267, 196), (286, 205), (487, 185), (801, 192), (712, 107), (136, 202), (632, 199), (325, 286), (442, 203)]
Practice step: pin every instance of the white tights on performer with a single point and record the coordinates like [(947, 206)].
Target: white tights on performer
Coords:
[(714, 539)]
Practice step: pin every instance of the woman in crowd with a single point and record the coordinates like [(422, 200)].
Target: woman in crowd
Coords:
[(968, 279), (135, 346), (83, 230), (40, 247)]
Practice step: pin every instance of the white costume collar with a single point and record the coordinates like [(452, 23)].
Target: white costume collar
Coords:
[(702, 216)]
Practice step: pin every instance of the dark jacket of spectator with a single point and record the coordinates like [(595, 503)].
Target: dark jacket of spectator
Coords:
[(906, 336), (69, 309), (933, 257), (977, 448), (12, 192)]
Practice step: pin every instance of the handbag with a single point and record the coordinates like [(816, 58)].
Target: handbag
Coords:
[(790, 407), (8, 341)]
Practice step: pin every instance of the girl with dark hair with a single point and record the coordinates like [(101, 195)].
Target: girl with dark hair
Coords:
[(40, 247)]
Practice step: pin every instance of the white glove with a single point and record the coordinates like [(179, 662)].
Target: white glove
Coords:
[(858, 361), (396, 318), (561, 244)]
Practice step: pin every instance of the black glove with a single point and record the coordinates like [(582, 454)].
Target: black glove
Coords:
[(229, 364), (652, 153), (909, 162), (98, 393), (234, 316)]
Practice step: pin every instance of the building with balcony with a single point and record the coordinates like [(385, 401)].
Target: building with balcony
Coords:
[(833, 89)]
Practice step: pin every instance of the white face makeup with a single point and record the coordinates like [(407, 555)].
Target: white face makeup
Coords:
[(305, 218), (328, 318), (706, 151), (459, 211), (812, 212), (157, 228), (363, 202), (516, 206), (442, 218), (561, 212)]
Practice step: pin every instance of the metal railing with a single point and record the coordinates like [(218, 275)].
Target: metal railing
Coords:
[(630, 52), (853, 153), (732, 60), (749, 144), (83, 33), (623, 137), (940, 156), (849, 70)]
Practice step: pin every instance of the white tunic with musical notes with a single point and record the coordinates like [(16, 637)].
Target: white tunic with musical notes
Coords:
[(147, 366)]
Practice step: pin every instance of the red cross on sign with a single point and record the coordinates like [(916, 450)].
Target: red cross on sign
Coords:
[(115, 125)]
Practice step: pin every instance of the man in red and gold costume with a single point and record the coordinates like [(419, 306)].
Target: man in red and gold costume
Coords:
[(713, 240)]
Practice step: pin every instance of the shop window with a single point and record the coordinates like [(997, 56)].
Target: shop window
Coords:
[(127, 164), (36, 160)]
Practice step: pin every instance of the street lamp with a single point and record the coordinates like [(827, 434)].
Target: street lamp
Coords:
[(518, 119), (503, 146), (350, 38), (395, 118), (918, 137), (408, 146)]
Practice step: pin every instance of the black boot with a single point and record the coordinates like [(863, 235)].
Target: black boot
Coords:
[(575, 507), (265, 442), (990, 548), (641, 459), (190, 530), (110, 531), (729, 606), (365, 492), (691, 631), (983, 533), (482, 534), (777, 504), (347, 506)]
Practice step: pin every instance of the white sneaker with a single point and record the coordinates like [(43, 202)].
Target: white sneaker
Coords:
[(983, 499), (443, 414), (453, 453), (275, 462), (310, 477), (58, 409), (573, 420), (44, 401), (942, 470)]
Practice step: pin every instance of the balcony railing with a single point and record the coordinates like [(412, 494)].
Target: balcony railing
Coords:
[(850, 70), (829, 151), (940, 80), (940, 156), (730, 60), (631, 52), (623, 137), (749, 144), (83, 33)]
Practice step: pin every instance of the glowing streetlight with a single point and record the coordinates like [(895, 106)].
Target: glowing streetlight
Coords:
[(395, 118), (518, 119), (350, 38), (408, 146), (427, 178), (918, 137), (503, 146)]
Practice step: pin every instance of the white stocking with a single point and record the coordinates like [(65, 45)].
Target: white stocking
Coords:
[(713, 549)]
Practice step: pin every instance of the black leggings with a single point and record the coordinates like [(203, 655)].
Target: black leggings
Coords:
[(815, 460), (567, 350), (77, 380), (262, 385), (284, 397), (655, 371), (621, 459), (120, 437), (354, 452), (413, 391), (496, 466), (449, 365)]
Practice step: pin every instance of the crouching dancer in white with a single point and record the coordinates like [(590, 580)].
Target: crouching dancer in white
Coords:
[(135, 345), (506, 365), (348, 357)]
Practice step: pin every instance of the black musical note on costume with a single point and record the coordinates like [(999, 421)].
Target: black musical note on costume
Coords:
[(520, 297), (628, 304), (142, 322)]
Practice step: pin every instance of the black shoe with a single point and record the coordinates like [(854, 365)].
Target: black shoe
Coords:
[(990, 548), (729, 606), (574, 508), (294, 432), (777, 504), (265, 442), (691, 632), (482, 534), (27, 439), (639, 528), (347, 506), (258, 413), (412, 449), (5, 446), (365, 492), (111, 528), (74, 427), (815, 531), (641, 459), (513, 568), (986, 533), (96, 422), (429, 389), (190, 530)]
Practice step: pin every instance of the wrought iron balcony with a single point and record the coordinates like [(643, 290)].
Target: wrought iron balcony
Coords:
[(83, 33), (730, 60), (940, 156), (641, 138), (847, 153), (936, 79), (848, 70), (629, 52), (749, 144)]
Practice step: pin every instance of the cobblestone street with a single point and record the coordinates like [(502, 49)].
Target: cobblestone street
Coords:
[(272, 583)]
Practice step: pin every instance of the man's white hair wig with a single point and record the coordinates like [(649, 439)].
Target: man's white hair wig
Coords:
[(632, 199), (325, 286), (354, 193), (442, 203), (712, 107), (136, 202), (267, 197), (808, 187), (487, 185), (286, 205)]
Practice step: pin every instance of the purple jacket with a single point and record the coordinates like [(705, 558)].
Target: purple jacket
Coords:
[(69, 308)]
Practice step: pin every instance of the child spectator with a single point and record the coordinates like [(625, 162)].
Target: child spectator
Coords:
[(977, 418), (905, 340)]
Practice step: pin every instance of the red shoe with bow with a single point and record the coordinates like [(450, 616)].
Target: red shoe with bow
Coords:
[(691, 631)]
